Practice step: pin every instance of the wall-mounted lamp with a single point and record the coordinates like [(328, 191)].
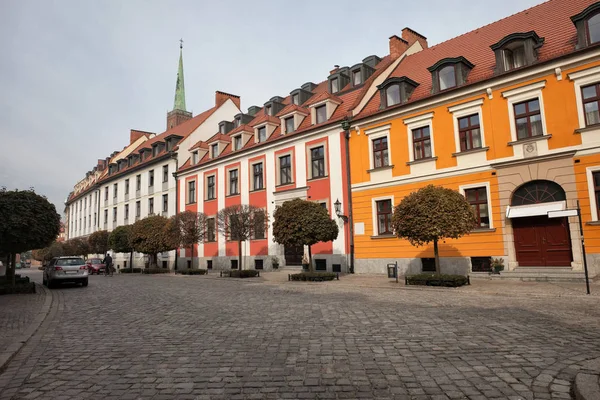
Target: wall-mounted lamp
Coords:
[(338, 210)]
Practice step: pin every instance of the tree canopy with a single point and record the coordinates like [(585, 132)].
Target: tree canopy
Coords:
[(98, 242), (119, 240), (242, 222), (301, 222), (152, 235), (76, 247), (431, 214), (188, 228), (45, 254)]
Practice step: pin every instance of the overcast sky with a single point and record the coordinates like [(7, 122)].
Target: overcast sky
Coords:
[(76, 75)]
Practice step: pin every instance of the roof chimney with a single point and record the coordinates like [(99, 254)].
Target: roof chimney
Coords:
[(135, 135), (413, 36), (221, 97), (334, 70), (397, 46)]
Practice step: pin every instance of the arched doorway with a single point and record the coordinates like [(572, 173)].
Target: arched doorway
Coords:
[(540, 241)]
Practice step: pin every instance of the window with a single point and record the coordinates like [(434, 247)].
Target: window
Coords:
[(85, 203), (477, 198), (106, 193), (514, 58), (289, 125), (295, 99), (335, 86), (268, 109), (469, 132), (421, 143), (105, 218), (380, 153), (384, 217), (115, 187), (210, 230), (392, 95), (591, 101), (84, 221), (262, 134), (447, 77), (210, 188), (593, 28), (165, 173), (126, 187), (528, 119), (237, 122), (195, 158), (126, 212), (317, 156), (191, 192), (321, 114), (165, 203), (285, 170), (150, 206), (95, 219), (138, 209), (356, 78), (151, 178), (114, 214), (138, 182), (214, 150), (258, 230), (257, 173), (233, 182), (221, 128), (237, 142)]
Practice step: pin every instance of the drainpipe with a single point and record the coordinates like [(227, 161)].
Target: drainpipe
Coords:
[(174, 157), (346, 128)]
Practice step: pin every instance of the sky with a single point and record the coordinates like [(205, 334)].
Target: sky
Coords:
[(77, 75)]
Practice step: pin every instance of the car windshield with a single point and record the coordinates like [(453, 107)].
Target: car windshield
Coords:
[(96, 261), (69, 261)]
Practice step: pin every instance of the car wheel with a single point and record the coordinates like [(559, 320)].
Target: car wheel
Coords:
[(50, 284), (84, 283)]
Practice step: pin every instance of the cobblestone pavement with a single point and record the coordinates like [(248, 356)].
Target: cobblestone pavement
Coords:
[(198, 337)]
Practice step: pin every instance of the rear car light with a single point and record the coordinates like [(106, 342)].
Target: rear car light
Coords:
[(83, 267), (58, 268)]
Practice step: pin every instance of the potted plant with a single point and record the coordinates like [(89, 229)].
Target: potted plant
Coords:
[(305, 262), (275, 262), (497, 265)]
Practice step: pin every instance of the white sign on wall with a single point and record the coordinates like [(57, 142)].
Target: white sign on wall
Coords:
[(359, 228)]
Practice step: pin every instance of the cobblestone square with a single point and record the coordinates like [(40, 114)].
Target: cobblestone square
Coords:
[(204, 337)]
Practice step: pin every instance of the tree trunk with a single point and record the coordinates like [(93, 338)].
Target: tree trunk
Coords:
[(310, 264), (240, 254), (13, 268), (192, 263), (131, 260), (436, 253)]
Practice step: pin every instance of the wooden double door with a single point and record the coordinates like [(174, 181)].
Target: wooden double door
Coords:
[(542, 242)]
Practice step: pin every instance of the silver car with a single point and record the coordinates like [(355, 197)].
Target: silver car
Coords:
[(65, 269)]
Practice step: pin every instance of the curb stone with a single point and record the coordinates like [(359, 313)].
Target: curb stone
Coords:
[(15, 347), (587, 382)]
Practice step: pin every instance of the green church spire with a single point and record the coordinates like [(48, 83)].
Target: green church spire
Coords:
[(180, 87)]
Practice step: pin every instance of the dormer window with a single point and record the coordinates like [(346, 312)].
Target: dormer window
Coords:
[(268, 110), (321, 112), (237, 142), (587, 23), (195, 158), (335, 85), (301, 96), (237, 122), (516, 50), (356, 78), (262, 134), (396, 91), (360, 73), (449, 72), (221, 128), (154, 151), (295, 99), (214, 150), (289, 125)]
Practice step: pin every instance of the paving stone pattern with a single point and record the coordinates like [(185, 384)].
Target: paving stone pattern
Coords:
[(17, 311), (167, 337)]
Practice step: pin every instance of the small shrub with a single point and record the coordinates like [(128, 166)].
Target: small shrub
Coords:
[(246, 273), (437, 280), (192, 272), (156, 271), (313, 276), (131, 271)]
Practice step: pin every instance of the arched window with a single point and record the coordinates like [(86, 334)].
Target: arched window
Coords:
[(392, 95), (593, 28), (536, 192)]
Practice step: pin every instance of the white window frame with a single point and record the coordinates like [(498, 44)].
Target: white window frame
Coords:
[(417, 122), (374, 200), (187, 191), (583, 78), (522, 94), (590, 182), (323, 144), (195, 157), (463, 110), (237, 186), (378, 133), (330, 108), (252, 174), (462, 188), (278, 166), (234, 138)]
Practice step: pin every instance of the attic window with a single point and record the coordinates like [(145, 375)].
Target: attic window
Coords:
[(449, 72), (396, 91), (295, 98), (154, 151), (236, 122), (392, 95), (321, 112), (268, 109), (516, 50), (195, 158), (289, 125), (335, 85), (262, 134), (214, 150), (593, 28), (587, 23), (221, 128), (237, 142), (356, 78)]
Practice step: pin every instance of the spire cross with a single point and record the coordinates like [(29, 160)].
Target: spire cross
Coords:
[(181, 43)]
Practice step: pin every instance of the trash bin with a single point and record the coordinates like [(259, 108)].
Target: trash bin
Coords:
[(392, 271)]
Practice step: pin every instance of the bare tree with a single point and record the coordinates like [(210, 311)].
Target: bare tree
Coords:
[(189, 228), (241, 223)]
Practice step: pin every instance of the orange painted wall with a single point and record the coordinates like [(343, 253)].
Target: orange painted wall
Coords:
[(591, 232)]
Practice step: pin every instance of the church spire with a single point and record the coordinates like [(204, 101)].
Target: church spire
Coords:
[(180, 87)]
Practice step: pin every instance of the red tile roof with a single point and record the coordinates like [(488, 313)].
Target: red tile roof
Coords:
[(263, 119), (292, 107), (199, 145), (242, 128), (219, 137), (321, 97), (550, 20)]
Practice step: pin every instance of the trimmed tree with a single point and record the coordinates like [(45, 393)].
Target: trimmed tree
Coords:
[(152, 235), (56, 249), (99, 242), (188, 228), (76, 247), (119, 241), (303, 223), (431, 214), (28, 221), (240, 223)]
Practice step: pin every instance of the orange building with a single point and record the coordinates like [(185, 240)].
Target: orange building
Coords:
[(508, 115)]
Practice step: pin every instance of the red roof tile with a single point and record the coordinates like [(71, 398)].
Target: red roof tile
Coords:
[(292, 107), (263, 119), (321, 97)]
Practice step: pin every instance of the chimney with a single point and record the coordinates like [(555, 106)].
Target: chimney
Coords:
[(397, 46), (221, 97), (413, 36), (135, 135), (334, 70)]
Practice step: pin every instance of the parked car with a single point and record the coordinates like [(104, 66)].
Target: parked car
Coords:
[(95, 266), (65, 269)]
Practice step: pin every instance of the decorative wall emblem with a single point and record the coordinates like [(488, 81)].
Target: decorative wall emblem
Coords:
[(530, 149)]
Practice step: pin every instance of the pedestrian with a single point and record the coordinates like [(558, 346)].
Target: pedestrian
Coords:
[(107, 265)]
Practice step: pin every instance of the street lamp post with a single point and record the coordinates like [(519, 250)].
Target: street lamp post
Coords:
[(346, 127)]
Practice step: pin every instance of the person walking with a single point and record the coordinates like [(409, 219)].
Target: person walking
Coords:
[(108, 262)]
